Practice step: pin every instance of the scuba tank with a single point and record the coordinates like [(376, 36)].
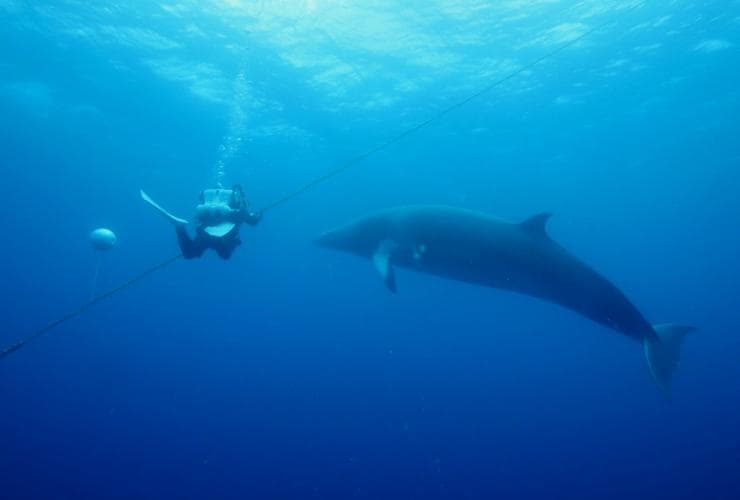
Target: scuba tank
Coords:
[(219, 210)]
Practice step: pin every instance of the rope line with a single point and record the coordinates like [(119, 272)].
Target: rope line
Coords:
[(444, 112), (76, 312)]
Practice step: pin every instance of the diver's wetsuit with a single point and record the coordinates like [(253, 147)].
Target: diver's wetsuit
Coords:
[(224, 246), (217, 207)]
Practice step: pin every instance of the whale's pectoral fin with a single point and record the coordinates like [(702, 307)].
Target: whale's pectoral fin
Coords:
[(664, 352), (382, 258), (176, 221)]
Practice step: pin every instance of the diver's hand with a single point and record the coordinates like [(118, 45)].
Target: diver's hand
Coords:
[(254, 218)]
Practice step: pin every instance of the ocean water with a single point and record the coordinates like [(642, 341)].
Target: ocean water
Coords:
[(289, 371)]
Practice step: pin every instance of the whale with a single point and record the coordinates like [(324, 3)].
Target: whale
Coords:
[(475, 248)]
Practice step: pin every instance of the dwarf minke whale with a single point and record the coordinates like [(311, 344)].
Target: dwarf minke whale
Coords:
[(520, 257)]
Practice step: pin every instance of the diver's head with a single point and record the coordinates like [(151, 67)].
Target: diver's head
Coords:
[(238, 200)]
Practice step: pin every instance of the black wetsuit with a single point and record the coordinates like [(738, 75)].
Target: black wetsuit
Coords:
[(224, 246)]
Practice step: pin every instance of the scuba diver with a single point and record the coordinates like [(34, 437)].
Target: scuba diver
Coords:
[(220, 213)]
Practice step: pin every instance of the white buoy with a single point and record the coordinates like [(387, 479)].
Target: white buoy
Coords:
[(102, 240)]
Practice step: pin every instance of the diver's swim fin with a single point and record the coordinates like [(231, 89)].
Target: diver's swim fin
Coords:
[(174, 220)]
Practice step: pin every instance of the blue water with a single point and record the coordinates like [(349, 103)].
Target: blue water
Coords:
[(289, 371)]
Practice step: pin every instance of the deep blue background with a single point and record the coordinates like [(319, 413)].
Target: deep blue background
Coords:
[(290, 372)]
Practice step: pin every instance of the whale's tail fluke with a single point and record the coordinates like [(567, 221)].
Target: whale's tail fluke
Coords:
[(663, 353)]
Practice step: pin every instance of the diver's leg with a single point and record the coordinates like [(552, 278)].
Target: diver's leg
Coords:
[(190, 248), (226, 247), (224, 251)]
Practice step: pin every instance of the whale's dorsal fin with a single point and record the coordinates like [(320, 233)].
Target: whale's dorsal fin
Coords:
[(382, 260), (537, 224)]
